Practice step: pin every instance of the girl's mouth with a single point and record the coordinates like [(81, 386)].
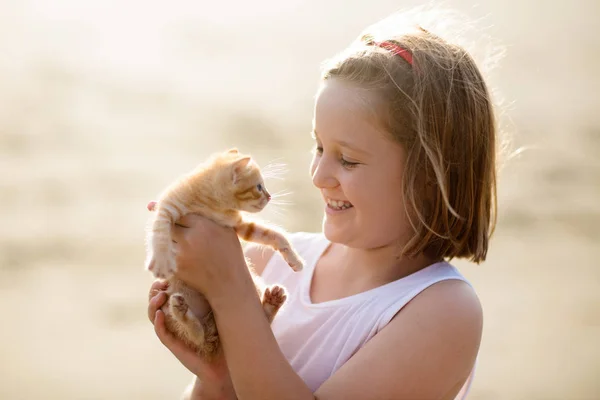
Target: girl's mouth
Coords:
[(338, 205)]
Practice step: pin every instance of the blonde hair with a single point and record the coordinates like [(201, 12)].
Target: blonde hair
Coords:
[(440, 110)]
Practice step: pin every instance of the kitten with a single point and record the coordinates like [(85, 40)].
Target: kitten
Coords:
[(223, 187)]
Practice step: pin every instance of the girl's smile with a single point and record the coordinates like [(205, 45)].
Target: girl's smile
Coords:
[(358, 170)]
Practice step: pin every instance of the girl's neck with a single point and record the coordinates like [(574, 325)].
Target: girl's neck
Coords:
[(382, 265)]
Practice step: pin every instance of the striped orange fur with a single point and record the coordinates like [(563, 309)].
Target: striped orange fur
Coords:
[(221, 189)]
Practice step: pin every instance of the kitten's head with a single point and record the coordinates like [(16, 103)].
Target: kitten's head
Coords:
[(247, 184)]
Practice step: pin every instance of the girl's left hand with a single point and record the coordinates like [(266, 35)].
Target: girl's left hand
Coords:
[(210, 257)]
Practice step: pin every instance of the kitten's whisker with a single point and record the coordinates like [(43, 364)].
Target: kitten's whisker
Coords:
[(275, 211), (275, 159), (274, 205), (274, 172), (270, 167), (281, 202), (274, 162), (279, 211), (273, 176), (280, 195), (274, 169), (274, 166)]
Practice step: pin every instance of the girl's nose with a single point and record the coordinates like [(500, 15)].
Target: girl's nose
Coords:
[(322, 176)]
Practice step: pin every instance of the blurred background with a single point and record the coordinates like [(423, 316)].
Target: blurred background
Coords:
[(105, 102)]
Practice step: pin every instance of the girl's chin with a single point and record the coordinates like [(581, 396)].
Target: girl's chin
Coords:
[(334, 232)]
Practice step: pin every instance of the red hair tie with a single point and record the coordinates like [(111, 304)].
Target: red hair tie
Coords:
[(397, 50)]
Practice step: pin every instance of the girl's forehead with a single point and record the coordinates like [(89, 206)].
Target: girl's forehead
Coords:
[(338, 96), (348, 111)]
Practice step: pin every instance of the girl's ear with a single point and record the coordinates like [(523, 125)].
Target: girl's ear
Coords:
[(238, 167)]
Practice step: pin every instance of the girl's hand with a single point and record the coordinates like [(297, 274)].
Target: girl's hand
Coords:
[(210, 257), (213, 377)]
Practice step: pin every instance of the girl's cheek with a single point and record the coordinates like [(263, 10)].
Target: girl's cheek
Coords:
[(353, 191)]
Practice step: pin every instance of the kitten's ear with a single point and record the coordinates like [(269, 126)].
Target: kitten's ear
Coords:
[(238, 167), (233, 151), (242, 162)]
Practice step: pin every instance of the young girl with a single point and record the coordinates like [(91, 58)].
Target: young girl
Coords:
[(405, 162)]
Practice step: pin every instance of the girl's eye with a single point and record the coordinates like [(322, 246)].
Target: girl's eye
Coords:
[(348, 164), (345, 163), (259, 187)]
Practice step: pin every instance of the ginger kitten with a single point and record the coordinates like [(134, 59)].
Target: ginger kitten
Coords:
[(221, 189)]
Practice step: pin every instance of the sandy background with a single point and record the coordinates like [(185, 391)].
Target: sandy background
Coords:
[(104, 102)]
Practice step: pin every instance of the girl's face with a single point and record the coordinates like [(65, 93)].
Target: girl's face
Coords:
[(358, 170)]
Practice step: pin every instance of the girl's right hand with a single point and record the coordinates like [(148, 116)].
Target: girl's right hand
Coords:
[(213, 380)]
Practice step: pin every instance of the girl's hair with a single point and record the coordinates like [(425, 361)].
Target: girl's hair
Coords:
[(437, 105)]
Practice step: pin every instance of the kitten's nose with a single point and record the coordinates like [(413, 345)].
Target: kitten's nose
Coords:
[(268, 197)]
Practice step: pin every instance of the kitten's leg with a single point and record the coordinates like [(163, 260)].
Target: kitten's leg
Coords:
[(253, 232), (273, 299), (190, 326), (161, 260), (202, 334), (211, 336)]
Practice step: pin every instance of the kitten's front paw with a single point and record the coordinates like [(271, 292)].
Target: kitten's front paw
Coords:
[(275, 296), (163, 266), (293, 259)]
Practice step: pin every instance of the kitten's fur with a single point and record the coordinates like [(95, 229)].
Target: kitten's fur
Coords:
[(219, 189)]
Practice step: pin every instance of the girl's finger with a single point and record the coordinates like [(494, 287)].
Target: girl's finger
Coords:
[(157, 286), (161, 330), (155, 304), (175, 346), (184, 354)]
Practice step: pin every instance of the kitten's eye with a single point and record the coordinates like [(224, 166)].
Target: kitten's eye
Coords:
[(259, 187)]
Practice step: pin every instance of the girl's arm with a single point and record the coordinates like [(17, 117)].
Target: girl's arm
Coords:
[(259, 256), (199, 391), (258, 368), (426, 351), (211, 379)]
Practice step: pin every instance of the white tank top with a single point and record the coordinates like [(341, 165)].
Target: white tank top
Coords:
[(317, 339)]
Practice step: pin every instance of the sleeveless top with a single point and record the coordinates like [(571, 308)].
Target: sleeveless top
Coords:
[(317, 339)]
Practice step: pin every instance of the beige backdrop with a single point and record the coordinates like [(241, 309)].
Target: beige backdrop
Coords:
[(104, 102)]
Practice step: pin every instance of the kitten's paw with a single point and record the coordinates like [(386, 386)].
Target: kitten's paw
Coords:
[(273, 299), (274, 296), (178, 306), (292, 258), (163, 267)]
